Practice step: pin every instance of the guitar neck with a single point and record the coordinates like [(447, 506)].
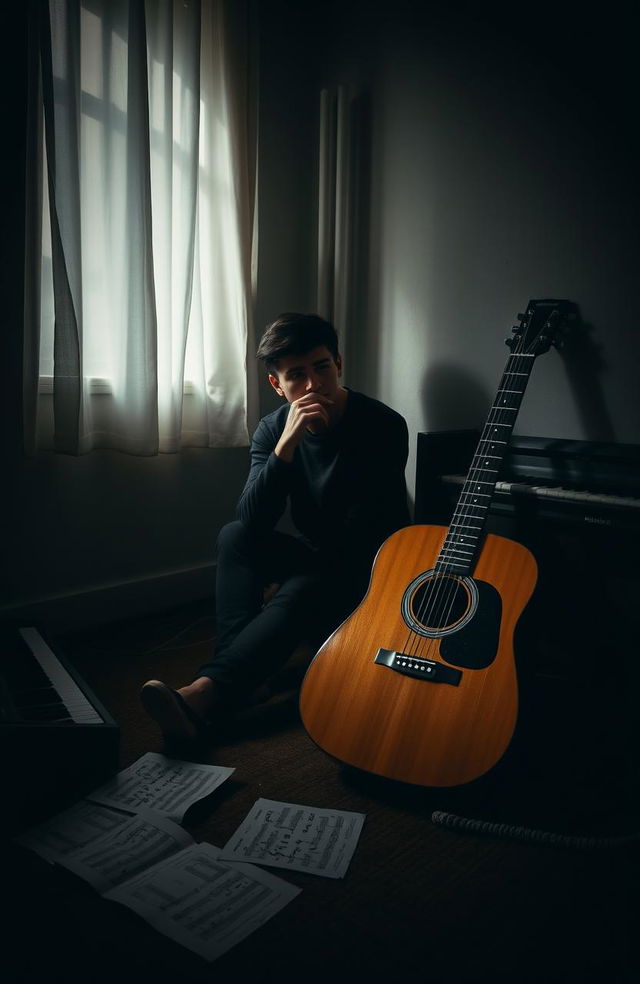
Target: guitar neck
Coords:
[(470, 515)]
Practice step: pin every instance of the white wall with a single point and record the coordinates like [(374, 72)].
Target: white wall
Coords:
[(503, 168)]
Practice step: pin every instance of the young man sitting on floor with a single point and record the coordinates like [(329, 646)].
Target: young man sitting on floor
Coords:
[(337, 458)]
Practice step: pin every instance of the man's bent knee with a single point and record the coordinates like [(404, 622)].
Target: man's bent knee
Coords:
[(236, 536)]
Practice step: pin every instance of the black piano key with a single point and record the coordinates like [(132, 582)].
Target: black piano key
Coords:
[(33, 698), (37, 697), (47, 712)]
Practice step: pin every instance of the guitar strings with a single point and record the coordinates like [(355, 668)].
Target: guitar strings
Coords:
[(439, 599), (468, 505), (436, 606), (439, 604)]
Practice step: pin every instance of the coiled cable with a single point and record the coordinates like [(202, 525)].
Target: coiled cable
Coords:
[(528, 835)]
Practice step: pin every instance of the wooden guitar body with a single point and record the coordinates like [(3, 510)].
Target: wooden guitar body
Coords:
[(393, 693), (419, 683)]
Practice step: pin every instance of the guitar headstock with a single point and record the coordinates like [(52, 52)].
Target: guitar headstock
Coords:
[(540, 327)]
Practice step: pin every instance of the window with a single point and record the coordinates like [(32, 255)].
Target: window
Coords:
[(145, 249)]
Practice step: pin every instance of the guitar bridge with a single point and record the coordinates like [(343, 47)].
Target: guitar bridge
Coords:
[(416, 666)]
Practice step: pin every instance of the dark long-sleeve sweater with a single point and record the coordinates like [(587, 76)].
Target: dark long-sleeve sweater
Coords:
[(346, 488)]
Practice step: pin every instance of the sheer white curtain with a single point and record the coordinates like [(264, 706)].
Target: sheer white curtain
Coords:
[(146, 242)]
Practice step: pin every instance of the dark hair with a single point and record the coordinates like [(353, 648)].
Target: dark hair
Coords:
[(295, 334)]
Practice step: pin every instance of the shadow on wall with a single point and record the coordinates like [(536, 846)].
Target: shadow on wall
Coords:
[(584, 365), (452, 399)]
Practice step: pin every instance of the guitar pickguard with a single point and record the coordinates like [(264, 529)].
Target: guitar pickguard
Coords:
[(475, 644), (463, 612)]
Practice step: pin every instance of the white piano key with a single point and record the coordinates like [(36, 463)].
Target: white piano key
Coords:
[(80, 709)]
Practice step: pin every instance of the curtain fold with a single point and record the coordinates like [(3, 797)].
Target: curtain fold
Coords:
[(146, 245), (61, 95), (335, 209), (173, 54), (343, 211), (33, 234), (327, 204)]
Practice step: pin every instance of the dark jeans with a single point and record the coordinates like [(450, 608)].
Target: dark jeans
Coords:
[(252, 639)]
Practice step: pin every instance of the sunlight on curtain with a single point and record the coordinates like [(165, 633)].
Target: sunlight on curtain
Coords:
[(146, 259)]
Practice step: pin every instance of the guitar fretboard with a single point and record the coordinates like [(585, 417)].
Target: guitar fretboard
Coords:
[(465, 530)]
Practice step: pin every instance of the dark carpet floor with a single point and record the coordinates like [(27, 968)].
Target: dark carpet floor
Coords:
[(419, 903)]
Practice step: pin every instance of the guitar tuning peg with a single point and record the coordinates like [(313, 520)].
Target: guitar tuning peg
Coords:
[(517, 328), (509, 342), (521, 317)]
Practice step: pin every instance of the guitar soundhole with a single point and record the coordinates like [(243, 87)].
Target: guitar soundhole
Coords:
[(436, 605)]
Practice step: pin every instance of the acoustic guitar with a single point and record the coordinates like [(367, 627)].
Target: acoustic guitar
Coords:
[(419, 683)]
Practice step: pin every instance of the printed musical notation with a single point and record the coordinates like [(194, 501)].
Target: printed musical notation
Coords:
[(300, 838), (124, 842), (202, 902), (169, 786)]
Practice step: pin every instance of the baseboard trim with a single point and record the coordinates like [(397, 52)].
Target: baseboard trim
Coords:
[(109, 602)]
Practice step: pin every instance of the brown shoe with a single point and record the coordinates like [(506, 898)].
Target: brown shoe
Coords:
[(173, 715)]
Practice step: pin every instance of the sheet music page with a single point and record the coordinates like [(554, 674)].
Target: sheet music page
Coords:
[(127, 849), (301, 838), (166, 785), (80, 825), (203, 903)]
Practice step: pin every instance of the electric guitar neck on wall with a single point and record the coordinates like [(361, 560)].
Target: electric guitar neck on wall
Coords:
[(419, 683)]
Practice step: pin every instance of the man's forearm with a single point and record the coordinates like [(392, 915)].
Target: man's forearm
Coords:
[(264, 496)]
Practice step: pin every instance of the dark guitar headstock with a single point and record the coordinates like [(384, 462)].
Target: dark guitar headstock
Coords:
[(543, 324)]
